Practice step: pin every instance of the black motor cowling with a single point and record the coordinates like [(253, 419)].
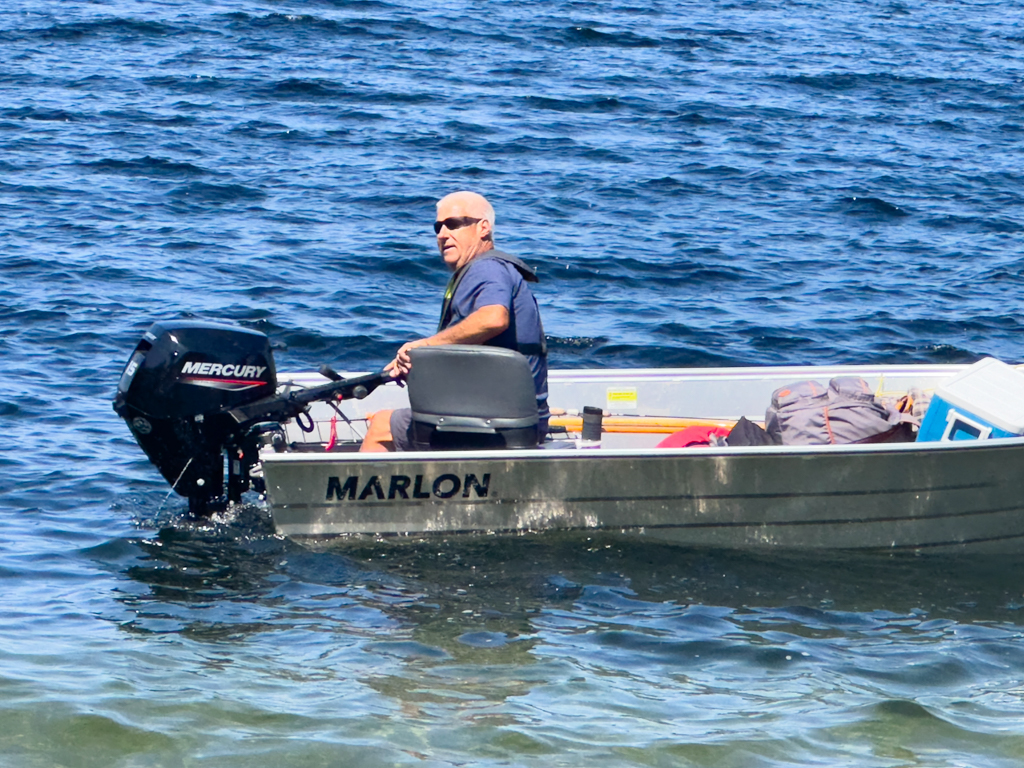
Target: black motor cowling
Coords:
[(177, 393)]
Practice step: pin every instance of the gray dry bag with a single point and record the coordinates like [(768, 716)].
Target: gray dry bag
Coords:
[(805, 413)]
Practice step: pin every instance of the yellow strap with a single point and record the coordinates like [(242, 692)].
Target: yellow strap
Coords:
[(662, 425)]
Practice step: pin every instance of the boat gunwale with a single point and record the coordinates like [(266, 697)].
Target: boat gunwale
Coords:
[(739, 372), (755, 371), (589, 454)]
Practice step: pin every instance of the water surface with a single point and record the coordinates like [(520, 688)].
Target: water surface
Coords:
[(729, 183)]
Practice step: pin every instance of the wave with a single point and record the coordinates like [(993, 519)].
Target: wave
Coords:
[(123, 28), (655, 356), (845, 81), (605, 156), (42, 114), (972, 94), (307, 24), (315, 347), (306, 89), (327, 90), (260, 129), (975, 223), (281, 21), (874, 206), (598, 104), (588, 36), (136, 116), (476, 129), (35, 191), (195, 83), (144, 166), (669, 186), (182, 245), (216, 194)]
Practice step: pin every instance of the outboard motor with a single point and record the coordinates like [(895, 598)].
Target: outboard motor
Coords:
[(192, 392), (176, 393)]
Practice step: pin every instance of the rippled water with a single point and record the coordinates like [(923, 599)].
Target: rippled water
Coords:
[(698, 184)]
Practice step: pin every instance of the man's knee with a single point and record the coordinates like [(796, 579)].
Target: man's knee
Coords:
[(378, 433)]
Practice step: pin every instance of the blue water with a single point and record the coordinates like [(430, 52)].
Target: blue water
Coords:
[(728, 183)]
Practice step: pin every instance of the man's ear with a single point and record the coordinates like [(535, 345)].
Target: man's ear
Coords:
[(485, 229)]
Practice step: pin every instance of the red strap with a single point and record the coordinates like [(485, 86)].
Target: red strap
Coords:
[(334, 433)]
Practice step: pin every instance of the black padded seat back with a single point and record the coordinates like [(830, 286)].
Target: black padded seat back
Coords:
[(468, 396)]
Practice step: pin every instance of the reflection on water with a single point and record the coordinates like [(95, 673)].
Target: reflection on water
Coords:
[(466, 593), (488, 583), (521, 644), (565, 649)]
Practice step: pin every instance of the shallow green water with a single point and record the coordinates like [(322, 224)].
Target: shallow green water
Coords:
[(224, 645)]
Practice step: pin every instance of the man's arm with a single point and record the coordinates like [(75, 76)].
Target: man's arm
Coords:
[(480, 326)]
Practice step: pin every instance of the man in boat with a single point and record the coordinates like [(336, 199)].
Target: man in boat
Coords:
[(487, 302)]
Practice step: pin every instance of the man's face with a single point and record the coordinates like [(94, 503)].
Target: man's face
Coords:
[(460, 239)]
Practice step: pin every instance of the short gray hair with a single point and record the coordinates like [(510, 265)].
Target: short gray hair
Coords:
[(475, 200)]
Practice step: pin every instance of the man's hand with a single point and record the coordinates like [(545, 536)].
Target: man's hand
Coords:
[(402, 361)]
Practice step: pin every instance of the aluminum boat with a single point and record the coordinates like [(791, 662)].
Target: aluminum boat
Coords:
[(910, 495), (201, 399)]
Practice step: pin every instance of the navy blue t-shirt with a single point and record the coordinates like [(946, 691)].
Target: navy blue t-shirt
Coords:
[(488, 282)]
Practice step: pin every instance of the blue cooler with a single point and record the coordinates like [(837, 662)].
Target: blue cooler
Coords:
[(983, 401)]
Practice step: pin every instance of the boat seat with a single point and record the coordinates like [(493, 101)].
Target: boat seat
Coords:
[(468, 397)]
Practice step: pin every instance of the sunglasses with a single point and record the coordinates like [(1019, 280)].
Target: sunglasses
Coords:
[(454, 222)]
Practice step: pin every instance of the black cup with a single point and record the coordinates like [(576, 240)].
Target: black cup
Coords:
[(592, 423)]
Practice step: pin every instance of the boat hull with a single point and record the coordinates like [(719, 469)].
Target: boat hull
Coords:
[(848, 497), (884, 496)]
